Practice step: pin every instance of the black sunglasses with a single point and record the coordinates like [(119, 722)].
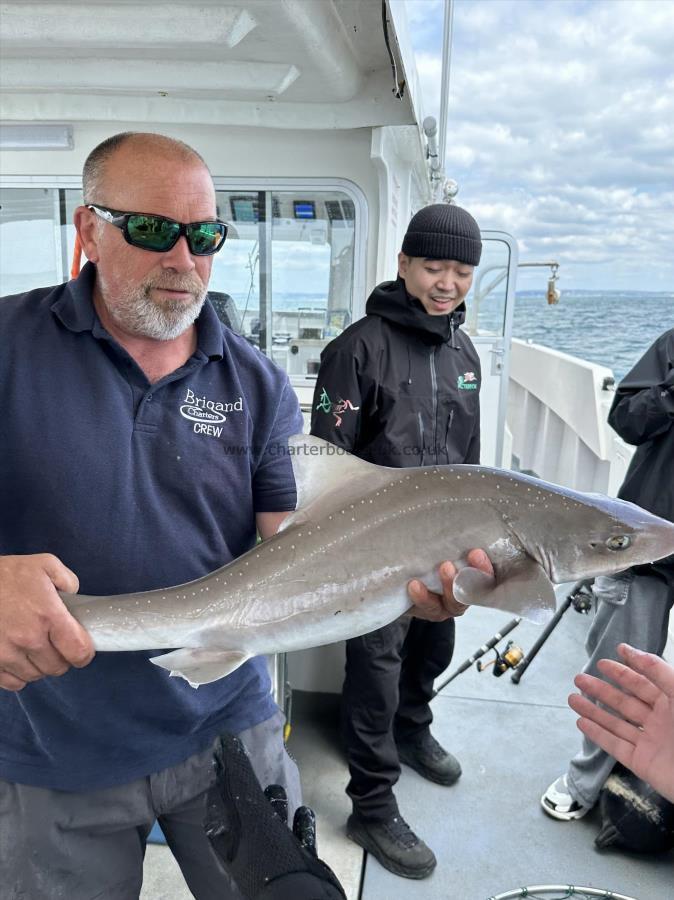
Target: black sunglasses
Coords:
[(159, 234)]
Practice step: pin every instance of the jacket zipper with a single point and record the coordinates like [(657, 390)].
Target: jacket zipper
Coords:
[(452, 340), (449, 425), (434, 394), (421, 436)]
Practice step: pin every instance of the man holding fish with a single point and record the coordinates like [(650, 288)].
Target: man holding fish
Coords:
[(107, 486)]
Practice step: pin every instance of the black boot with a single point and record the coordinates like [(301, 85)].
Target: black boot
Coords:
[(394, 844), (427, 757)]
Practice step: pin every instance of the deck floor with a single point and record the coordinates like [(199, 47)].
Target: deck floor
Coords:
[(488, 831)]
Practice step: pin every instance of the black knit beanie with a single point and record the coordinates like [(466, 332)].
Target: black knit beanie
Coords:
[(443, 231)]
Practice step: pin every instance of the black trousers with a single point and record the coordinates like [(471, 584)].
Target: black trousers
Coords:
[(387, 689)]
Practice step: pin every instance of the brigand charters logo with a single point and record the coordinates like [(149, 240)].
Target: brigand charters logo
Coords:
[(207, 415)]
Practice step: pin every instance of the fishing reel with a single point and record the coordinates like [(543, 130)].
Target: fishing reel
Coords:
[(581, 597), (511, 657)]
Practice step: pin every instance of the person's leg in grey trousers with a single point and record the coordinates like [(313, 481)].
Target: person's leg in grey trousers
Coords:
[(631, 608), (57, 845)]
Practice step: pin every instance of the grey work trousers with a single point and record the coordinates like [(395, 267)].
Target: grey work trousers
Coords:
[(60, 845), (633, 608)]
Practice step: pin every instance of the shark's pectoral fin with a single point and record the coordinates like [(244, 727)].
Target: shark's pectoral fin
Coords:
[(201, 666), (521, 587)]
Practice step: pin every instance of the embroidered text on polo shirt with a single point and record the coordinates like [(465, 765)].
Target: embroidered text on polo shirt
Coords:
[(207, 415)]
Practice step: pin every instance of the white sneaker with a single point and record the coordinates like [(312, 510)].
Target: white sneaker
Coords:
[(558, 802)]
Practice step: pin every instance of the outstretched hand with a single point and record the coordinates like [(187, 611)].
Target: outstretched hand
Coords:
[(642, 736), (436, 607), (248, 831)]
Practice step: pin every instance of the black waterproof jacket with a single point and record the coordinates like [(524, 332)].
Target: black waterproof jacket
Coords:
[(401, 387), (643, 414)]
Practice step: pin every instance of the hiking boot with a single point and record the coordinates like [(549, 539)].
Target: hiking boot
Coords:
[(427, 757), (558, 802), (394, 844)]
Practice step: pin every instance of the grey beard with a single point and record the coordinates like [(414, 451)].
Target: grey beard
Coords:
[(138, 314)]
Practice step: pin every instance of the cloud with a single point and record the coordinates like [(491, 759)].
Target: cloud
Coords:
[(561, 128)]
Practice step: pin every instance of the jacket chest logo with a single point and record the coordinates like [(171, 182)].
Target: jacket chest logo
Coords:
[(467, 382)]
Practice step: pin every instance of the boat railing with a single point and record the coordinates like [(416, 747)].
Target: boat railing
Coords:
[(557, 418)]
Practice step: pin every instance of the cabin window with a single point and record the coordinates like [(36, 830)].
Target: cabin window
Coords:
[(36, 237), (286, 273)]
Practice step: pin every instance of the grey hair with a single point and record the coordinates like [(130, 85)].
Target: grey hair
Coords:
[(93, 173)]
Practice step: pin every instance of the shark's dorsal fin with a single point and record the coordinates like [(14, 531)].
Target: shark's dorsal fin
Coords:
[(328, 476)]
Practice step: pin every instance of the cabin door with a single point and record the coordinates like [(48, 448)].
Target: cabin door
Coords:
[(490, 306)]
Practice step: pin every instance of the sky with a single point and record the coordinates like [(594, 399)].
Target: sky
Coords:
[(561, 130)]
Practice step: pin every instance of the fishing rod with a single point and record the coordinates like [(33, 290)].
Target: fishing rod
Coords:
[(580, 598), (490, 644)]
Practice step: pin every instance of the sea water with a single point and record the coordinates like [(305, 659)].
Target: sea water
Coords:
[(611, 328)]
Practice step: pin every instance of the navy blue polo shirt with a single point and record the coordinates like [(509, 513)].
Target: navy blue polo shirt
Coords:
[(134, 486)]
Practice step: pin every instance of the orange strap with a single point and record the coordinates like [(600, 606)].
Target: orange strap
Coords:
[(77, 256)]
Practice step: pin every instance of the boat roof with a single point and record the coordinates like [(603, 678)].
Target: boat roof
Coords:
[(295, 64)]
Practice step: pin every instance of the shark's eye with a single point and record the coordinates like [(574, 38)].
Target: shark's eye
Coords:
[(618, 542)]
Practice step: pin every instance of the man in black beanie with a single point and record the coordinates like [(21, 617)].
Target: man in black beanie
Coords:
[(400, 388)]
